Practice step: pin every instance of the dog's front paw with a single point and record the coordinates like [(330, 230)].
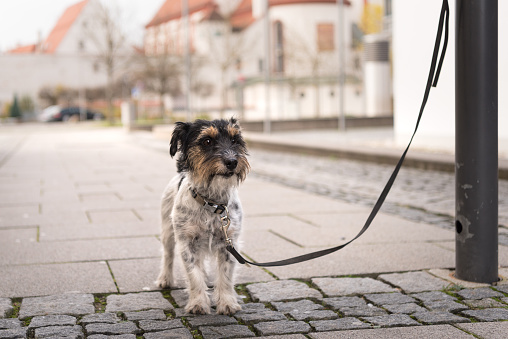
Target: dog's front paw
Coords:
[(197, 309), (228, 308), (164, 281)]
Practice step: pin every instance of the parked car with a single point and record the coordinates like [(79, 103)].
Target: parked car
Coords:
[(56, 113)]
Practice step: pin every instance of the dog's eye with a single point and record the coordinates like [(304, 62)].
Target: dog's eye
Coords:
[(206, 142), (233, 140)]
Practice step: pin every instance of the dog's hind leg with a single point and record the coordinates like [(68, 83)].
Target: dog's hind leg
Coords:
[(165, 278), (224, 293)]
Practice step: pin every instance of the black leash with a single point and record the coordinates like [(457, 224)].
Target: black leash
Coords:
[(432, 81)]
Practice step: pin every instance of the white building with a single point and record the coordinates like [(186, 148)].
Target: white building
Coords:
[(414, 32), (67, 57), (304, 55)]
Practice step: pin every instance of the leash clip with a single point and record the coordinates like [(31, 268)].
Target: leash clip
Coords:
[(224, 218)]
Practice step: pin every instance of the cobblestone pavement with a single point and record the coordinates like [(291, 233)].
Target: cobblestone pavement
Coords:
[(418, 195), (273, 308)]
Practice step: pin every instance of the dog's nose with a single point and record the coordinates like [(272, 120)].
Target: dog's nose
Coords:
[(231, 164)]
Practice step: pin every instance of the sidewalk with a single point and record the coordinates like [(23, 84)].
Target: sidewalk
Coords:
[(79, 251)]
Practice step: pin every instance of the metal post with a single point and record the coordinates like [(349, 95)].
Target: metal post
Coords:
[(267, 122), (185, 17), (476, 140), (342, 71)]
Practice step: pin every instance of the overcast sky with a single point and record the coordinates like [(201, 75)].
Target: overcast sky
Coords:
[(22, 20)]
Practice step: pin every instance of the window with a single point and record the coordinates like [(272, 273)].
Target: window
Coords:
[(325, 37), (278, 47)]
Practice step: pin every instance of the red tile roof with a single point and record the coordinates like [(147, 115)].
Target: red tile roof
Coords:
[(23, 49), (62, 26), (242, 17), (172, 9)]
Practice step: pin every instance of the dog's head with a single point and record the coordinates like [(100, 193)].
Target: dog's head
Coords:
[(210, 149)]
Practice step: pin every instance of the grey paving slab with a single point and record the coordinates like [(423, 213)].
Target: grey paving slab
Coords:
[(445, 306), (412, 282), (350, 286), (301, 305), (159, 325), (429, 332), (359, 259), (432, 296), (10, 323), (59, 332), (137, 302), (181, 333), (347, 323), (326, 229), (408, 308), (362, 311), (435, 318), (340, 302), (389, 298), (5, 307), (282, 290), (108, 318), (18, 235), (488, 314), (228, 331), (75, 304), (483, 303), (38, 280), (52, 320), (490, 330), (211, 320), (112, 329), (14, 333), (282, 327), (146, 272), (145, 315), (391, 320), (479, 293), (252, 317), (81, 250)]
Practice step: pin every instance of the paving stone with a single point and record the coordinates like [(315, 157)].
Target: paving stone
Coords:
[(301, 305), (282, 327), (389, 298), (502, 288), (338, 302), (59, 332), (364, 311), (445, 306), (282, 290), (211, 320), (68, 304), (479, 293), (434, 318), (339, 324), (251, 317), (253, 307), (14, 333), (350, 286), (505, 300), (177, 333), (488, 314), (391, 320), (137, 302), (9, 324), (414, 281), (159, 325), (108, 318), (490, 330), (52, 320), (5, 307), (228, 331), (146, 315), (432, 296), (313, 315), (112, 329), (180, 297), (483, 303), (408, 308), (103, 336)]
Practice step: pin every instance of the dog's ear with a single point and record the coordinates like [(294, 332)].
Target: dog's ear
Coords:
[(178, 137)]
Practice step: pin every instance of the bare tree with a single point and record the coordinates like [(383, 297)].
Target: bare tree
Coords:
[(110, 43)]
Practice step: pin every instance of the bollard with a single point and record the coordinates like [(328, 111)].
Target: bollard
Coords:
[(476, 140)]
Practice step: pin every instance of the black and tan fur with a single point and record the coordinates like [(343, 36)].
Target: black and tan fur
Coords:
[(213, 161)]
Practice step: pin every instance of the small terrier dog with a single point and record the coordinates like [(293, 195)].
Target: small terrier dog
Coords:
[(211, 164)]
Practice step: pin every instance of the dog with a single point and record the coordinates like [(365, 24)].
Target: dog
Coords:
[(212, 162)]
